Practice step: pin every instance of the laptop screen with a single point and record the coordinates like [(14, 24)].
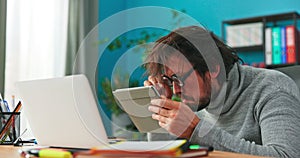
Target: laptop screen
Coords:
[(62, 112)]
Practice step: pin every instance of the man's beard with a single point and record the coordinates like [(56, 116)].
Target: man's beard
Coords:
[(202, 103)]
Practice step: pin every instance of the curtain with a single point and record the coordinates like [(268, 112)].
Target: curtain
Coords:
[(36, 36), (83, 17), (2, 43), (36, 41)]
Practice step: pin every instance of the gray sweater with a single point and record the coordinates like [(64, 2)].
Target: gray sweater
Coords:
[(260, 115)]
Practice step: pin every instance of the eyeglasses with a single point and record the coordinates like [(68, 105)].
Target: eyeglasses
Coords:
[(174, 78)]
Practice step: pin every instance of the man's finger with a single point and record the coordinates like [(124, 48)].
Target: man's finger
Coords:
[(152, 79), (161, 111), (154, 109), (147, 83), (166, 103), (159, 118)]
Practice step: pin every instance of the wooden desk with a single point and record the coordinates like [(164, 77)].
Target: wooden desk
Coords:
[(7, 151)]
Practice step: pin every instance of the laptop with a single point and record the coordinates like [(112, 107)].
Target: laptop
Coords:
[(62, 112)]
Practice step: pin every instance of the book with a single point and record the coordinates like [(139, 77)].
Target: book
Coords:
[(290, 44), (171, 148), (195, 150), (244, 34), (195, 153), (276, 49), (268, 46)]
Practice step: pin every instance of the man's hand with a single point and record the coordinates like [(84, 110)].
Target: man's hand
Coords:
[(162, 88), (176, 117)]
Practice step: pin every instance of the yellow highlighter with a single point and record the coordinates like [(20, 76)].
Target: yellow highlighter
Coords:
[(50, 153)]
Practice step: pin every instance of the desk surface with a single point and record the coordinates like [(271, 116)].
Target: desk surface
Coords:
[(13, 152)]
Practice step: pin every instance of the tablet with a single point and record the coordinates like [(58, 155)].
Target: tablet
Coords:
[(135, 102)]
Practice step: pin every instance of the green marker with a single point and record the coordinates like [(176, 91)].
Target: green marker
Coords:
[(176, 98), (194, 147), (198, 147)]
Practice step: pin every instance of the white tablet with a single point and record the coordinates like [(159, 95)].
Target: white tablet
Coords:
[(135, 102)]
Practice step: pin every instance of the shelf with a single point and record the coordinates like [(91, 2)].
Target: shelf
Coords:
[(267, 18), (257, 24), (279, 65), (249, 48)]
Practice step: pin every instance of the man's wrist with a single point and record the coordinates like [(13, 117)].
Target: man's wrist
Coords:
[(192, 127)]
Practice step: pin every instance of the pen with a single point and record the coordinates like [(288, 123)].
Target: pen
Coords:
[(72, 150), (13, 101), (6, 105), (3, 108), (1, 105), (14, 127)]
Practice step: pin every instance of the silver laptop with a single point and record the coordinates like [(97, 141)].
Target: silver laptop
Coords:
[(62, 112)]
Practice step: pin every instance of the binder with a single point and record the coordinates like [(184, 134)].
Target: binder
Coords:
[(268, 46), (290, 44), (276, 49), (242, 35), (283, 45)]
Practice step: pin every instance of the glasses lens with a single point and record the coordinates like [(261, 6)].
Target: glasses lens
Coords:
[(177, 80), (167, 80)]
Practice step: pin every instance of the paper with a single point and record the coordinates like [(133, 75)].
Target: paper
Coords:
[(146, 146)]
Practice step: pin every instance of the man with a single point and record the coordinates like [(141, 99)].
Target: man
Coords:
[(239, 108)]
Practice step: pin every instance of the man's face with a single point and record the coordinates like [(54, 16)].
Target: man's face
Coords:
[(195, 90)]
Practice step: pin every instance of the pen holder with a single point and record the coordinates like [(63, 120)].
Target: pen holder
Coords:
[(10, 127)]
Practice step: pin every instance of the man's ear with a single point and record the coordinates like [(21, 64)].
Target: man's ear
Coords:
[(215, 72)]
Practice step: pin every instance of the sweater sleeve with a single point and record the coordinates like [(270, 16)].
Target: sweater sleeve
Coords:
[(279, 121)]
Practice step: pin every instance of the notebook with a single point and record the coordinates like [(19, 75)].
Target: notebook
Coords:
[(62, 112), (171, 148)]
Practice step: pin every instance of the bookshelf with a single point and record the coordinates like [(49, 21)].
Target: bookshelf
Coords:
[(249, 35)]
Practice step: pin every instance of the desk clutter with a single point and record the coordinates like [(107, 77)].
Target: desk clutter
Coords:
[(9, 122), (172, 148)]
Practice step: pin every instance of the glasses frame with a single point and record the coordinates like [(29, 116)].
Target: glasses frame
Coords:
[(179, 81)]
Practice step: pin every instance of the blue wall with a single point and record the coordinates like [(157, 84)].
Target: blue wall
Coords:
[(210, 13)]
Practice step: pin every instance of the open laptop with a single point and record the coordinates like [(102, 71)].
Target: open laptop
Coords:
[(62, 112)]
